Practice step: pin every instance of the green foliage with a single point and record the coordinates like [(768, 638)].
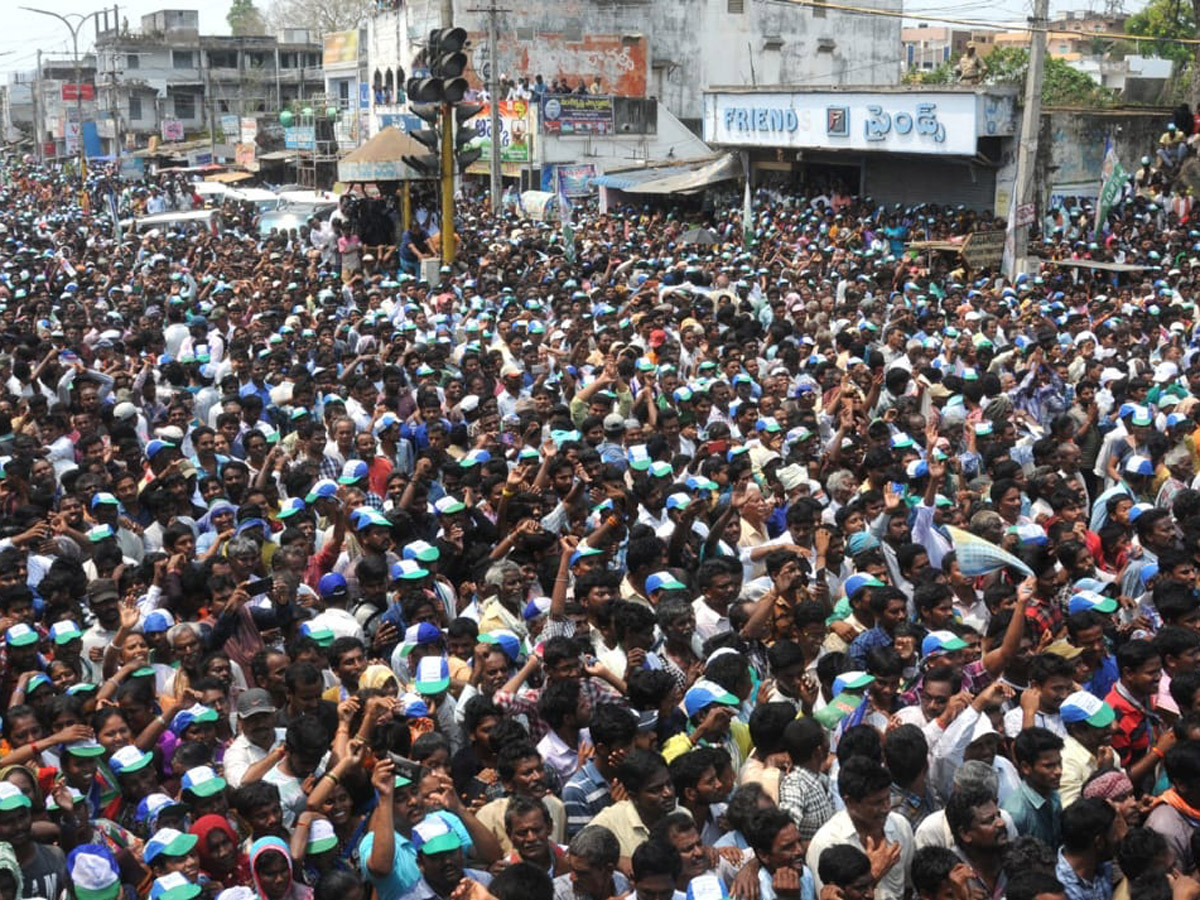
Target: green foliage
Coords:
[(943, 74), (1061, 85), (1164, 19), (244, 18)]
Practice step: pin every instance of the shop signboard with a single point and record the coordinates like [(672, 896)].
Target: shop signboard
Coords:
[(944, 124)]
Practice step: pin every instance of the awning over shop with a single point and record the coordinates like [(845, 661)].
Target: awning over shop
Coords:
[(382, 158), (677, 178), (229, 177), (1097, 264), (278, 156)]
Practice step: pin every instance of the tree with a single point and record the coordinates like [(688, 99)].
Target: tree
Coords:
[(943, 74), (1164, 19), (318, 16), (244, 19), (1061, 84)]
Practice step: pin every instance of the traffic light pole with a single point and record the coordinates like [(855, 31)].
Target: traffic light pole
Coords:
[(448, 237)]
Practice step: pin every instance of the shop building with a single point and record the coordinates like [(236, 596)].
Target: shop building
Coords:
[(909, 145)]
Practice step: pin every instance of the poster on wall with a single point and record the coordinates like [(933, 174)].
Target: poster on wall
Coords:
[(172, 130), (516, 138), (574, 181), (577, 115)]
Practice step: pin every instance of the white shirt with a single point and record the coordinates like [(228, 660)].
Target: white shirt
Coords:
[(1014, 717), (242, 754), (709, 622), (840, 830)]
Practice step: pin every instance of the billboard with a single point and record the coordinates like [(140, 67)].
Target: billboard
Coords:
[(574, 181), (577, 114), (341, 48), (72, 92), (944, 123), (620, 61), (230, 127), (516, 138), (299, 137), (172, 130)]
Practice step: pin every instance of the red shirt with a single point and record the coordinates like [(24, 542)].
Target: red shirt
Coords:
[(1132, 729)]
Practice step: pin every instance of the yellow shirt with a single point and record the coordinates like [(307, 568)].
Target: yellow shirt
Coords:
[(737, 742), (622, 820), (491, 816)]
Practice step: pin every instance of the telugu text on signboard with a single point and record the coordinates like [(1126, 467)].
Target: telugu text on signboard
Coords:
[(577, 114), (516, 139)]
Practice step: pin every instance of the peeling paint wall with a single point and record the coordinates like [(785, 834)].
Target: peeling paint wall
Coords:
[(670, 49)]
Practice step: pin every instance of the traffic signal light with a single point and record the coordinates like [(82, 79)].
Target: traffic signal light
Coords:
[(428, 164), (464, 155), (447, 61)]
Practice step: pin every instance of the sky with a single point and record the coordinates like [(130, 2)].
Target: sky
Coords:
[(25, 32)]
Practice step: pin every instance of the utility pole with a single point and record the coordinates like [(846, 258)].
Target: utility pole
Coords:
[(37, 110), (74, 29), (447, 232), (1031, 119), (494, 107), (497, 184)]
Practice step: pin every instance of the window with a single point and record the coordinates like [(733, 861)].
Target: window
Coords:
[(182, 59), (735, 7), (135, 107), (911, 53), (945, 53), (132, 61), (185, 106), (222, 59)]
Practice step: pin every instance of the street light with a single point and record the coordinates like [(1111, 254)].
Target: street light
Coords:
[(74, 29)]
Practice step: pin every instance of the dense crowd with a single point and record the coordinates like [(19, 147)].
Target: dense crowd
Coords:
[(604, 566)]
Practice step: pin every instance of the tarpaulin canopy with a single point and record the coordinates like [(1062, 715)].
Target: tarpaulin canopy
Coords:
[(229, 177), (677, 178), (382, 158)]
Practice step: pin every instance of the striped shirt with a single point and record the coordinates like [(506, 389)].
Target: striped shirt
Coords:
[(585, 795)]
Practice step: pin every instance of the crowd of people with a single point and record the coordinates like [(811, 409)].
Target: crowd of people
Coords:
[(605, 566)]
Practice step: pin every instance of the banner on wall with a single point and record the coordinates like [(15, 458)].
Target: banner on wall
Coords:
[(516, 136)]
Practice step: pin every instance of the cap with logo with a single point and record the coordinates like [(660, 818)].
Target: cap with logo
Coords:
[(1090, 600), (202, 781), (20, 635), (507, 641), (432, 835), (421, 633), (93, 872), (353, 471), (324, 489), (320, 633), (129, 759), (321, 837), (173, 886), (195, 714), (168, 842), (1083, 706), (64, 632), (11, 797), (253, 702), (941, 642), (705, 693), (433, 675), (664, 581), (150, 807)]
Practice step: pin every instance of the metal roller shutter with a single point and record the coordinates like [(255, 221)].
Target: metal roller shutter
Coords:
[(912, 180)]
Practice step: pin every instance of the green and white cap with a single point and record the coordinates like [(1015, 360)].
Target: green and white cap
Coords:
[(321, 837)]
